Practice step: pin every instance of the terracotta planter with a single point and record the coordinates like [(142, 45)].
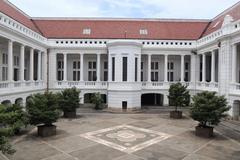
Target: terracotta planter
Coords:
[(176, 114), (46, 131), (68, 114), (205, 132)]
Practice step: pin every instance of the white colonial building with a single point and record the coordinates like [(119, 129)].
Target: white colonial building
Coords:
[(131, 62)]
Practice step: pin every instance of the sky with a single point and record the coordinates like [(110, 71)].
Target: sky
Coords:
[(186, 9)]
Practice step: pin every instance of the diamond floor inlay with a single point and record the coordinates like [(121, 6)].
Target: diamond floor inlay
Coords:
[(126, 138)]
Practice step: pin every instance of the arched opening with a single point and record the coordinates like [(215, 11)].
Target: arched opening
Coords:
[(236, 110), (6, 102), (19, 101), (152, 99)]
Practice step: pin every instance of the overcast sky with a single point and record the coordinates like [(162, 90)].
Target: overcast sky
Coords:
[(195, 9)]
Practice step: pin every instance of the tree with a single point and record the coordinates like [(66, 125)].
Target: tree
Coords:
[(179, 95), (6, 130), (97, 100), (14, 116), (208, 108), (69, 99), (43, 109)]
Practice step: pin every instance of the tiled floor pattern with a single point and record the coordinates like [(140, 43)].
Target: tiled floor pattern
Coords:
[(125, 137)]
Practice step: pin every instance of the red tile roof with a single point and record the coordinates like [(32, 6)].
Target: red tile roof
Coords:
[(13, 12), (217, 22), (119, 29)]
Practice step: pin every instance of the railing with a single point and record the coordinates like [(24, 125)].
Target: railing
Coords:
[(162, 85), (210, 86), (82, 85), (17, 84), (235, 88)]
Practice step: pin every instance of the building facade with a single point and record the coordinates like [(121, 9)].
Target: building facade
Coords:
[(131, 62)]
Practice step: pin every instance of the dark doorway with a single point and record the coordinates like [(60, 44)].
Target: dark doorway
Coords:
[(152, 99), (124, 105)]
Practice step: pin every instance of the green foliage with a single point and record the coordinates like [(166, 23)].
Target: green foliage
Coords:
[(69, 99), (97, 100), (208, 108), (7, 127), (5, 146), (43, 109), (179, 95), (13, 116)]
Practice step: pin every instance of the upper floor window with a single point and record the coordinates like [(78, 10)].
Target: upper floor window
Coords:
[(76, 70), (154, 71), (92, 72), (105, 71), (4, 59), (60, 68), (170, 71)]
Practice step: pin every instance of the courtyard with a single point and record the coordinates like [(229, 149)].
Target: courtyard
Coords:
[(104, 136)]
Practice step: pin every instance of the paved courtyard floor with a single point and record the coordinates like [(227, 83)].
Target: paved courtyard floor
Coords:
[(125, 137)]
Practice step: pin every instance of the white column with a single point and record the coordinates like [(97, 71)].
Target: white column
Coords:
[(139, 69), (193, 67), (31, 75), (10, 61), (166, 68), (149, 67), (45, 66), (109, 68), (213, 67), (22, 62), (81, 67), (182, 68), (203, 67), (39, 65), (65, 67), (98, 67), (234, 63)]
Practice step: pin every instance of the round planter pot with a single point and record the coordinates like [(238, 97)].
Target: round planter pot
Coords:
[(46, 131), (205, 132), (176, 114), (72, 114)]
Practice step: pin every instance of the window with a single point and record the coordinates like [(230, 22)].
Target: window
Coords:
[(76, 70), (105, 71), (143, 31), (92, 72), (87, 31), (124, 65), (154, 71), (141, 71), (136, 69), (4, 67), (186, 72), (201, 68), (113, 68), (60, 70), (170, 71), (16, 61)]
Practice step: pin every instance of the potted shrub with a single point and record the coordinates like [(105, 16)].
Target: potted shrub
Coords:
[(97, 100), (69, 102), (14, 116), (208, 109), (179, 97), (43, 112)]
